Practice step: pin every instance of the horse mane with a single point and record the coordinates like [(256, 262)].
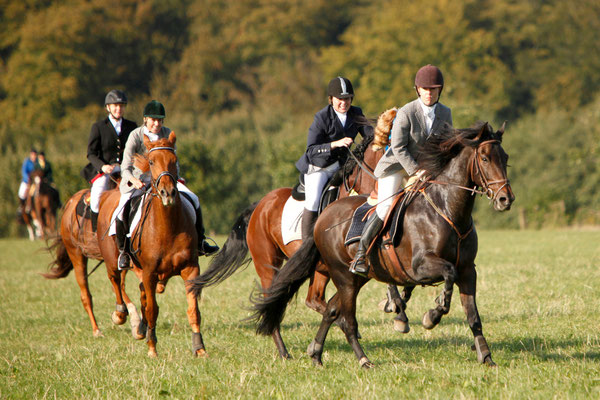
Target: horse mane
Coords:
[(447, 143), (383, 128), (140, 161)]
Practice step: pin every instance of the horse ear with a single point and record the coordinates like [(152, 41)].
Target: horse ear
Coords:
[(483, 129), (501, 130), (146, 141), (172, 138)]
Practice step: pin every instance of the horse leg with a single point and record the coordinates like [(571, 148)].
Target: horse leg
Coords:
[(140, 332), (315, 298), (331, 314), (266, 262), (401, 320), (467, 285), (151, 311), (119, 316), (80, 268), (433, 317), (193, 312), (134, 317)]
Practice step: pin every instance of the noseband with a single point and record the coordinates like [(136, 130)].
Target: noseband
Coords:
[(476, 169), (164, 173)]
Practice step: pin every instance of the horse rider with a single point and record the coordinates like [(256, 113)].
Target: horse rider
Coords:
[(105, 149), (133, 180), (332, 132), (27, 168), (414, 123), (45, 166)]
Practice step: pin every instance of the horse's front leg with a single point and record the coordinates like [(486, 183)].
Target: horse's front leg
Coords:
[(434, 267), (149, 282), (193, 312), (467, 285)]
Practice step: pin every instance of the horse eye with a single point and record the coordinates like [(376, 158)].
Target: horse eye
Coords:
[(151, 162), (484, 159)]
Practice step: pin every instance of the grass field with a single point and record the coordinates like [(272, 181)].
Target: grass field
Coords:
[(538, 296)]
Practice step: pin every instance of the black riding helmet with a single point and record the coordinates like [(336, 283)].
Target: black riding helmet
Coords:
[(115, 96), (341, 88), (154, 109)]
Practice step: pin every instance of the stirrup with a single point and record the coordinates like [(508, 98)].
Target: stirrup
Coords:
[(206, 249), (359, 267), (124, 261)]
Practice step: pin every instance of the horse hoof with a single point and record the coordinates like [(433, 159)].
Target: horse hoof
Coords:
[(201, 353), (365, 363), (152, 354), (117, 319), (489, 362), (401, 326), (427, 322), (161, 286), (98, 333)]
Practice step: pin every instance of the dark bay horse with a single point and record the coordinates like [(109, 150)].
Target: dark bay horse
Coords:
[(438, 243), (163, 244), (71, 249), (258, 228)]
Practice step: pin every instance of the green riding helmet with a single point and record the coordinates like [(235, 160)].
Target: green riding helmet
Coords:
[(154, 109)]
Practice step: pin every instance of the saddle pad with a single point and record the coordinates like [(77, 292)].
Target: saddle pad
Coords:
[(186, 202), (291, 217), (359, 219), (83, 206)]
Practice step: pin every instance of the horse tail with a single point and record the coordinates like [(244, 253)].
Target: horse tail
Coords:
[(61, 265), (383, 128), (270, 306), (231, 258)]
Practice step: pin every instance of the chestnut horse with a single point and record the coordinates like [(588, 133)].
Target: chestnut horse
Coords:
[(74, 245), (438, 242), (258, 228), (163, 244)]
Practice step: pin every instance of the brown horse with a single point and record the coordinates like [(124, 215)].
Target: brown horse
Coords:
[(438, 241), (45, 200), (258, 228), (163, 244), (74, 245)]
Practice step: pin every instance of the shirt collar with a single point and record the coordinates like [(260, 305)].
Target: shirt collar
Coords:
[(429, 111)]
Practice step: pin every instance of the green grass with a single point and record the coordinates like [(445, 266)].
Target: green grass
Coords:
[(538, 296)]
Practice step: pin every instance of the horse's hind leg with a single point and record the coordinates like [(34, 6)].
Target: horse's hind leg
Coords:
[(467, 287), (331, 314), (119, 316), (80, 269), (315, 298)]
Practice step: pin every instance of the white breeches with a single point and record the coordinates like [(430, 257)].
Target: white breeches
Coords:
[(388, 186), (314, 182), (23, 190), (99, 186)]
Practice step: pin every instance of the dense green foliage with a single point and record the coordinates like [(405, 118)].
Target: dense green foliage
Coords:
[(537, 293), (241, 81)]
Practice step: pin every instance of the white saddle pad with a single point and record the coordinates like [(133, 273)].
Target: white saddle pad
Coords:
[(291, 218), (187, 205)]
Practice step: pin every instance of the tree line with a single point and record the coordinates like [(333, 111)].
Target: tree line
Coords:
[(242, 80)]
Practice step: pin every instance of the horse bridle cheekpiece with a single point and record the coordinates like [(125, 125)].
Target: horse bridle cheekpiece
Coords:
[(167, 173), (477, 170)]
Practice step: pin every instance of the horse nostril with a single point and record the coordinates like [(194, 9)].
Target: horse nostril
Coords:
[(173, 192)]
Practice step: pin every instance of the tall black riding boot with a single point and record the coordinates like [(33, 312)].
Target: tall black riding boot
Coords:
[(124, 261), (308, 223), (94, 219), (372, 227), (204, 248)]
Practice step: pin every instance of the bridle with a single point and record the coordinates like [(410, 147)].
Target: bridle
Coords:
[(476, 169), (156, 181)]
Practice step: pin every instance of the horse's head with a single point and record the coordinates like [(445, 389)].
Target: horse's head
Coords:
[(488, 167), (161, 161)]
